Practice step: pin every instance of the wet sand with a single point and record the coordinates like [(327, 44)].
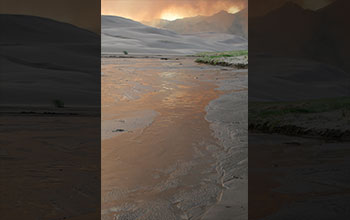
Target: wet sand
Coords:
[(46, 154), (298, 178), (160, 156)]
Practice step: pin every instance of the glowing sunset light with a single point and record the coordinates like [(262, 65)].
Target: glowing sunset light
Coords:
[(170, 16), (149, 10), (234, 9)]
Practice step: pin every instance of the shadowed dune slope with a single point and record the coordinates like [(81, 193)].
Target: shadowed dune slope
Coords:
[(320, 35), (309, 45), (31, 29), (42, 59)]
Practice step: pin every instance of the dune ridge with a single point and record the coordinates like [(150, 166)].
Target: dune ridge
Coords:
[(121, 34), (43, 60)]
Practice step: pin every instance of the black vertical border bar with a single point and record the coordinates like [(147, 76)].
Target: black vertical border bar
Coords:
[(299, 95), (50, 113)]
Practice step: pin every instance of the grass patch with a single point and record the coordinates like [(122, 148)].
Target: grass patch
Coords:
[(327, 118), (238, 58), (223, 54)]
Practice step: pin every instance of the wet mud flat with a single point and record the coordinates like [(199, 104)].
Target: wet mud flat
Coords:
[(298, 178), (166, 153), (47, 154)]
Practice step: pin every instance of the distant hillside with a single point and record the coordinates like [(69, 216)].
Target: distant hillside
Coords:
[(240, 24), (222, 22), (42, 59), (121, 34), (283, 31), (298, 54), (30, 29), (330, 41), (321, 35)]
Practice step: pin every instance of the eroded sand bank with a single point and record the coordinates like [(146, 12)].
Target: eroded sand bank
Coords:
[(160, 159)]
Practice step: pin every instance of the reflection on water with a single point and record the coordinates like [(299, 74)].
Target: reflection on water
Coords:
[(167, 74)]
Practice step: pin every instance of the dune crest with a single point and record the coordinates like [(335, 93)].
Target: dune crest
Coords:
[(121, 34)]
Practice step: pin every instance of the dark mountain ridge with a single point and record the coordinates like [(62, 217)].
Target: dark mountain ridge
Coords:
[(221, 22), (32, 29), (42, 59), (320, 35)]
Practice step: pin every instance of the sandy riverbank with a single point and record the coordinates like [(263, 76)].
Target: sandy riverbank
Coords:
[(228, 119)]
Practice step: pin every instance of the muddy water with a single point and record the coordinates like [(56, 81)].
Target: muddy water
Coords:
[(156, 160)]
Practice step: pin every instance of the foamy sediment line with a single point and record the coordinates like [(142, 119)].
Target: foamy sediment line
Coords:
[(228, 118)]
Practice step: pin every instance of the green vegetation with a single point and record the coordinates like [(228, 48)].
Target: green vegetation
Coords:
[(223, 54), (58, 103), (237, 59), (329, 118)]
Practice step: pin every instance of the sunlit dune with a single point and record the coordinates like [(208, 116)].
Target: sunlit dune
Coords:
[(180, 13), (170, 16), (234, 9)]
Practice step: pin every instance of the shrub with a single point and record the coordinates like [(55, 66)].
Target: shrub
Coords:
[(58, 103)]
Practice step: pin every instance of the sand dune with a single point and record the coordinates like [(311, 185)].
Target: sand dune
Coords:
[(43, 60), (305, 59), (320, 35), (30, 29), (222, 22), (121, 34), (290, 79)]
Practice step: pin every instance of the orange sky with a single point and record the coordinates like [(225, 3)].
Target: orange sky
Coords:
[(86, 13), (147, 10)]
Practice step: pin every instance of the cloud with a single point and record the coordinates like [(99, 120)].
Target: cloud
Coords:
[(146, 10)]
